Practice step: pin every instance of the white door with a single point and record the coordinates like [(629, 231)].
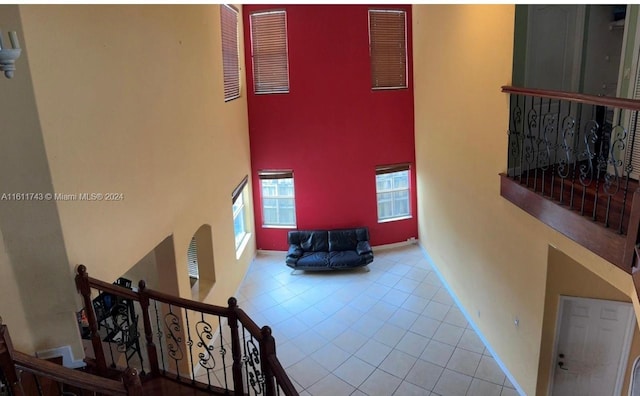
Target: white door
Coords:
[(592, 346), (554, 46)]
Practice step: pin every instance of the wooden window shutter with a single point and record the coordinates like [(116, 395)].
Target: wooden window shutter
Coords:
[(269, 52), (388, 49), (230, 55)]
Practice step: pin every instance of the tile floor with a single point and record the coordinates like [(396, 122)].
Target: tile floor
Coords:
[(394, 330)]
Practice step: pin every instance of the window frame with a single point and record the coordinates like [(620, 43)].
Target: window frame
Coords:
[(277, 175), (236, 85), (284, 88), (393, 169), (375, 86), (239, 194)]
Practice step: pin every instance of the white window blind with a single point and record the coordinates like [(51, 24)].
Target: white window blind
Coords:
[(388, 49), (230, 55), (192, 259), (269, 52), (392, 192)]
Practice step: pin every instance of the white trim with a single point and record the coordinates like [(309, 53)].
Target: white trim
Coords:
[(66, 354), (626, 346), (472, 323)]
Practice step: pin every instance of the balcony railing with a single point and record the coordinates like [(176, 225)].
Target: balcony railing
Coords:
[(574, 162), (211, 348)]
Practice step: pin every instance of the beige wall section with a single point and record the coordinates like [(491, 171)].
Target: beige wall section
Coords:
[(126, 99), (39, 286), (566, 277), (492, 254)]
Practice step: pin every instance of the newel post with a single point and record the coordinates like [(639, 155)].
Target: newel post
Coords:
[(267, 348), (6, 360), (84, 288), (152, 352), (132, 382), (236, 351)]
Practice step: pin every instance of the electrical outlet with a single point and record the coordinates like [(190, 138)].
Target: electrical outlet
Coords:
[(516, 322)]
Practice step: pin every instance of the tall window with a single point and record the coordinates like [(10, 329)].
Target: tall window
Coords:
[(278, 199), (269, 52), (392, 189), (192, 259), (239, 222), (388, 49), (230, 52)]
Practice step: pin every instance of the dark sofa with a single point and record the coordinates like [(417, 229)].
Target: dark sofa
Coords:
[(329, 250)]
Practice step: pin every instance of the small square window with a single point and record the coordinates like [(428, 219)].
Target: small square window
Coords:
[(393, 192)]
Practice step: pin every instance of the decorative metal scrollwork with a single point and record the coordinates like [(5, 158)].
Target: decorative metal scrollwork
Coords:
[(205, 335), (568, 131), (548, 128), (529, 139), (514, 132), (174, 339), (586, 169), (612, 177), (251, 359)]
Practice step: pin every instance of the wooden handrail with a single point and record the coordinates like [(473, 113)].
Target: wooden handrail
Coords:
[(188, 304), (233, 314), (282, 378), (608, 101), (113, 289), (68, 376)]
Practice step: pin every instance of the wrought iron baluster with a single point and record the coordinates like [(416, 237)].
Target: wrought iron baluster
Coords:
[(190, 345), (160, 340), (174, 340), (555, 151), (628, 169), (529, 152), (614, 163), (223, 353), (255, 377), (204, 330), (514, 136), (587, 158)]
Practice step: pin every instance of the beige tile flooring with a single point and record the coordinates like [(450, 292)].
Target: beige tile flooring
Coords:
[(394, 330)]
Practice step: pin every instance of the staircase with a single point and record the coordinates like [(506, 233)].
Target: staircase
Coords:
[(189, 348)]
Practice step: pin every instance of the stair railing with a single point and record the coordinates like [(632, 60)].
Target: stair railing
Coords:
[(16, 365), (188, 341)]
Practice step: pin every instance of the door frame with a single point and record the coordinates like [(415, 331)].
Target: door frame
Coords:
[(576, 75), (626, 347)]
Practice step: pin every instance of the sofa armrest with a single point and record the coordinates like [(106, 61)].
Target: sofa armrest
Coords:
[(363, 247), (295, 251)]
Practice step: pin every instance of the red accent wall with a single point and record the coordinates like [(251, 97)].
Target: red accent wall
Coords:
[(331, 129)]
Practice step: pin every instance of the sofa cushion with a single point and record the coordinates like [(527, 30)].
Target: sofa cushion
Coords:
[(309, 241), (313, 260), (345, 259), (342, 240)]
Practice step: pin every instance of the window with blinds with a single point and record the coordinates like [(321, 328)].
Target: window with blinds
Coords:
[(278, 199), (192, 259), (230, 52), (392, 192), (269, 54), (238, 207), (388, 49)]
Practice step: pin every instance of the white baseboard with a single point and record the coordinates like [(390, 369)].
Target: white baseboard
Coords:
[(473, 324), (395, 245), (270, 252), (67, 356)]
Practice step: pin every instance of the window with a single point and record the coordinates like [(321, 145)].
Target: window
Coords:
[(388, 49), (239, 222), (278, 199), (230, 55), (192, 259), (392, 190), (269, 52)]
